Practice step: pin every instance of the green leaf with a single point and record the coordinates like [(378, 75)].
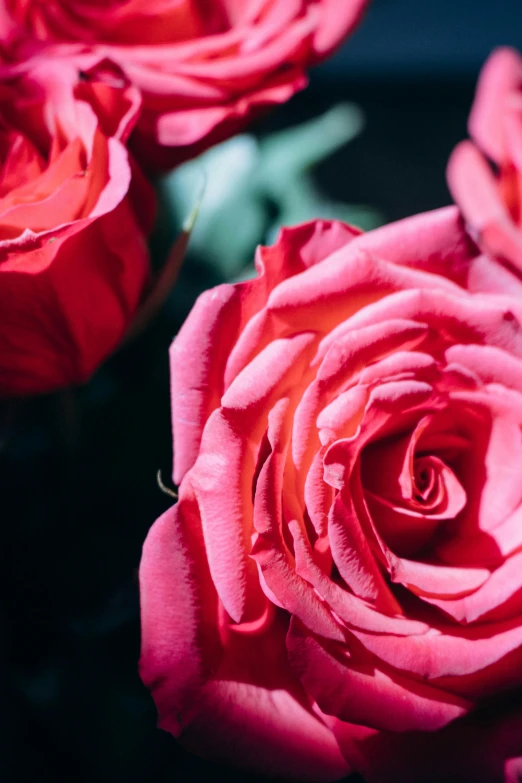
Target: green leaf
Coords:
[(291, 152), (248, 182)]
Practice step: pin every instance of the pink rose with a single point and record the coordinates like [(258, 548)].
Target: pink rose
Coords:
[(491, 200), (343, 567), (204, 70), (74, 212)]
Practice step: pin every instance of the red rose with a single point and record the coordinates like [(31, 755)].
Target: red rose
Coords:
[(344, 564), (73, 213), (491, 201), (203, 72)]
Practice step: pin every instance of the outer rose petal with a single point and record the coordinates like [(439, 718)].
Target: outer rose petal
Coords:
[(253, 713), (170, 658)]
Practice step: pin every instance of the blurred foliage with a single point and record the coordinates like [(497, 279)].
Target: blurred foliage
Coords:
[(253, 187)]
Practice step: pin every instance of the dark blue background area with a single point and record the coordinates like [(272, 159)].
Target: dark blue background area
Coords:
[(78, 470), (427, 38)]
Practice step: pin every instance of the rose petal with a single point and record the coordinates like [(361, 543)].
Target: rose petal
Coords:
[(499, 79), (358, 692), (265, 730), (223, 481), (470, 750)]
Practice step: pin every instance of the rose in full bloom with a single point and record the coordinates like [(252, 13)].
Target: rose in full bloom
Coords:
[(204, 69), (74, 211), (491, 198), (339, 585)]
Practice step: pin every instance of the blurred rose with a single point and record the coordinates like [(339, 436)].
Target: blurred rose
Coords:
[(73, 213), (204, 69), (491, 198), (344, 566)]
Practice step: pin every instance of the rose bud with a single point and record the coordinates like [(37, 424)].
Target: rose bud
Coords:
[(340, 581), (74, 212), (490, 197), (205, 70)]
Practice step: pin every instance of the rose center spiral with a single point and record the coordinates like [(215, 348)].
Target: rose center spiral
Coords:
[(410, 489)]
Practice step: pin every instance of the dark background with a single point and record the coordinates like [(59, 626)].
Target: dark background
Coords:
[(78, 469)]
